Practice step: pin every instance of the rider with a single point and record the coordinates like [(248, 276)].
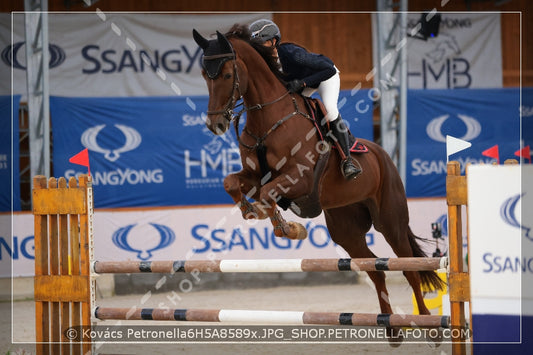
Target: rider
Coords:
[(307, 73)]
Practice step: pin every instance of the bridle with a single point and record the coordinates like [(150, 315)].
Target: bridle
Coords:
[(228, 110)]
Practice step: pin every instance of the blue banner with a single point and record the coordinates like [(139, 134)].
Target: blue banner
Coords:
[(526, 111), (356, 109), (483, 117), (156, 151), (9, 153)]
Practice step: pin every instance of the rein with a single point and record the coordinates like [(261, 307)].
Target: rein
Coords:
[(228, 110), (260, 140)]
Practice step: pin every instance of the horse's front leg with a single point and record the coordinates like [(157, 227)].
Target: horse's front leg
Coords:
[(240, 187), (271, 193)]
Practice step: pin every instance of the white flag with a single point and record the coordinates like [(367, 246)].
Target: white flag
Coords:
[(454, 145)]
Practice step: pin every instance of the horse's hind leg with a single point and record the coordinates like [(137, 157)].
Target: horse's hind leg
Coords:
[(414, 280), (396, 230), (348, 227)]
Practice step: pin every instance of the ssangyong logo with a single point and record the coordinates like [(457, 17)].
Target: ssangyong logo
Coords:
[(133, 140), (120, 239), (112, 175), (10, 55), (434, 128), (510, 213)]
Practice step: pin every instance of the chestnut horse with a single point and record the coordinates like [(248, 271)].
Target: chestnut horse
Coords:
[(278, 127)]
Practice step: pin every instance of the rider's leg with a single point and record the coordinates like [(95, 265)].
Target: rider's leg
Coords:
[(329, 91), (340, 134)]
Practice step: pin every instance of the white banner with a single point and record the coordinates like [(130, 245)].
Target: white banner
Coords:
[(17, 249), (205, 233), (121, 54), (501, 243), (466, 53), (117, 54)]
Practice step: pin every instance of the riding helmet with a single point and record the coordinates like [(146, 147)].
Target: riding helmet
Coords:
[(265, 30)]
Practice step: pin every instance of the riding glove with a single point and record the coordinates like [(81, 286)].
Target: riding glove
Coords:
[(296, 86)]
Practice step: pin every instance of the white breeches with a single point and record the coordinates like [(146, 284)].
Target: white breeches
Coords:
[(329, 92)]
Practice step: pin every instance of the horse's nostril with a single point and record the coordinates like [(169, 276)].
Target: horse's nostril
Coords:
[(221, 128)]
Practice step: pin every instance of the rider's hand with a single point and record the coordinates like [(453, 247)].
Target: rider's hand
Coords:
[(296, 86)]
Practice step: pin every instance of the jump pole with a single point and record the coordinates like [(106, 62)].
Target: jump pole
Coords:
[(273, 317), (271, 265)]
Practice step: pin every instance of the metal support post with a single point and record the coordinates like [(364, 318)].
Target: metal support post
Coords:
[(390, 61), (37, 59)]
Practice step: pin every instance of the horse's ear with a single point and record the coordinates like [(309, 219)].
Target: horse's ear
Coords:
[(200, 40), (224, 43)]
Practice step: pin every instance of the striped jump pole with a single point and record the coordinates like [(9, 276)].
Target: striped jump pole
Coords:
[(272, 265), (273, 317)]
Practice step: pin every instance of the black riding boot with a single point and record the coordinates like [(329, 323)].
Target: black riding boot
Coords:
[(340, 132)]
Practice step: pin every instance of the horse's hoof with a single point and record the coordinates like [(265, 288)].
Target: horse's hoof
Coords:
[(297, 231), (435, 340), (394, 336), (250, 215)]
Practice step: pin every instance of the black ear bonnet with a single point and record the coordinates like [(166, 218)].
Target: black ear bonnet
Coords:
[(216, 53)]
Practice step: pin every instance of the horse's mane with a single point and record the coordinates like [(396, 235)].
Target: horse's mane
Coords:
[(242, 32)]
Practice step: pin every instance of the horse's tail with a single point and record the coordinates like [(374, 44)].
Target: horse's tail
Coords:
[(429, 278)]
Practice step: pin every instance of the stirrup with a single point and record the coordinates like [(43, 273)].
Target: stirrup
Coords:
[(349, 169)]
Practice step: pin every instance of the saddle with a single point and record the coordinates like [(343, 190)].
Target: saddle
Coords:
[(308, 206), (316, 107)]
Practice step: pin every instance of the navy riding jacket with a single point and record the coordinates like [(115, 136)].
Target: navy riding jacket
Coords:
[(298, 63)]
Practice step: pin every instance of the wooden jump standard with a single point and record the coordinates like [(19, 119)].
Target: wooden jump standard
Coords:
[(63, 288), (64, 284), (458, 280), (273, 265)]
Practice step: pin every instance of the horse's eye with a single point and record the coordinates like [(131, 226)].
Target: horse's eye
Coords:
[(227, 76)]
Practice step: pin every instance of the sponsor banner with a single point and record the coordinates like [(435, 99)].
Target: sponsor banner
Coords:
[(144, 151), (207, 233), (501, 250), (495, 231), (154, 54), (123, 54), (17, 249), (158, 151), (9, 153), (467, 47), (502, 334), (483, 117)]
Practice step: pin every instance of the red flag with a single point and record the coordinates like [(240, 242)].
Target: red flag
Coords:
[(524, 153), (82, 158), (492, 152)]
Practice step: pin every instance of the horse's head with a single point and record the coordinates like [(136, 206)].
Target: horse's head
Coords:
[(220, 73)]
